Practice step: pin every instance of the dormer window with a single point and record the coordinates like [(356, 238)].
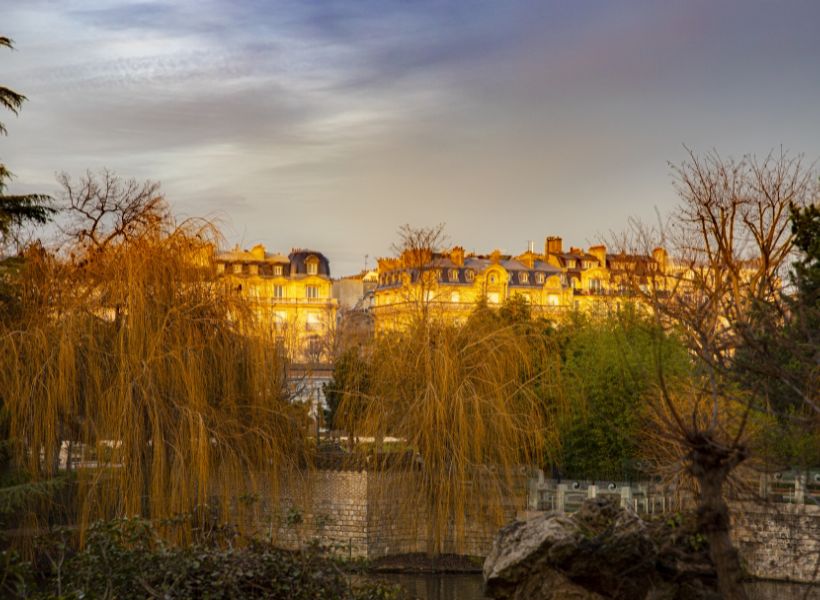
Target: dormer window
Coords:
[(539, 278), (453, 274), (237, 268), (469, 275), (278, 270), (312, 265), (523, 277), (571, 264)]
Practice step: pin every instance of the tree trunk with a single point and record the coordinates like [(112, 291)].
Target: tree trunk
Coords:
[(711, 465)]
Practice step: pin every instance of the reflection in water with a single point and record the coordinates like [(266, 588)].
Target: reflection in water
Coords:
[(440, 586), (469, 587)]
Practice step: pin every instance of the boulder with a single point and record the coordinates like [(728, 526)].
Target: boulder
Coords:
[(602, 551)]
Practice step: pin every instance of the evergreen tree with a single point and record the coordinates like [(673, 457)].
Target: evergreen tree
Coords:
[(17, 209)]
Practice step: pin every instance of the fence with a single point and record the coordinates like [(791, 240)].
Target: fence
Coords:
[(647, 497)]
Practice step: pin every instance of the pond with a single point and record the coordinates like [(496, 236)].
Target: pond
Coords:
[(459, 586)]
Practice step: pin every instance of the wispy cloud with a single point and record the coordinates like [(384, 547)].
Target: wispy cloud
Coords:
[(330, 123)]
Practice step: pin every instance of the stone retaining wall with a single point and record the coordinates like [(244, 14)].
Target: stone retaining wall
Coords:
[(364, 514), (778, 541)]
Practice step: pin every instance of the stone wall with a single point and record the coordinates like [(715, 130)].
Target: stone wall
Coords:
[(364, 514), (331, 508), (778, 541)]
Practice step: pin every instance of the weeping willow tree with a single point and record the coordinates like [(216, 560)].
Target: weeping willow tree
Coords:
[(468, 404), (131, 356)]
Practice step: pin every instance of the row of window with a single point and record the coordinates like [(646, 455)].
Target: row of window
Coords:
[(523, 277), (253, 269), (493, 298), (571, 263), (311, 291)]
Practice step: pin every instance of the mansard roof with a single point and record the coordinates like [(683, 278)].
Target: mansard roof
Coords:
[(299, 257)]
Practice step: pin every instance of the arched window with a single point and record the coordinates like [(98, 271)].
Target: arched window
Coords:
[(469, 275), (278, 270), (312, 265), (539, 278), (453, 274), (523, 277)]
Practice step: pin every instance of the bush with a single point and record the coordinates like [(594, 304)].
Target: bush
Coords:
[(127, 558)]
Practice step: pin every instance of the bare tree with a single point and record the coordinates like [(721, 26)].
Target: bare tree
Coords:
[(104, 208), (417, 249), (729, 246)]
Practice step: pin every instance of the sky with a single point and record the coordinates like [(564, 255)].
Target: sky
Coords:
[(328, 125)]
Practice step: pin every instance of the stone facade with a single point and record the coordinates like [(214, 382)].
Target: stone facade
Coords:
[(363, 514), (778, 541)]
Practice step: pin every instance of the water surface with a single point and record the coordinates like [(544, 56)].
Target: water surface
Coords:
[(459, 586)]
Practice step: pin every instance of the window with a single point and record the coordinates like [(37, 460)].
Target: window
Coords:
[(312, 266), (492, 297), (552, 300), (493, 278), (571, 264), (237, 268), (539, 278), (313, 347), (523, 277), (279, 291), (220, 267), (469, 275), (455, 297), (311, 291), (278, 270), (453, 274), (254, 269), (314, 322), (595, 285), (281, 317)]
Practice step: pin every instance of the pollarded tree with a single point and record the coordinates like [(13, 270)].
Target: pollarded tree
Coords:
[(729, 246), (16, 210)]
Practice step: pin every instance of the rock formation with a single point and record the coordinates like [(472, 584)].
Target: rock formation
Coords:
[(602, 551)]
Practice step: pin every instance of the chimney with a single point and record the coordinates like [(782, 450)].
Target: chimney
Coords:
[(659, 255), (599, 252), (457, 255), (553, 246)]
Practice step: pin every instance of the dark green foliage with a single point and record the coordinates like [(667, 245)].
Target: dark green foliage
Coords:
[(16, 210), (351, 377), (127, 559), (608, 369), (780, 357)]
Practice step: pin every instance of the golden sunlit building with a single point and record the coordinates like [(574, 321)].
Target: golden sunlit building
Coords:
[(449, 285), (291, 294)]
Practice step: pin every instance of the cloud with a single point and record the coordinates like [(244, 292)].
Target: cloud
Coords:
[(329, 123)]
